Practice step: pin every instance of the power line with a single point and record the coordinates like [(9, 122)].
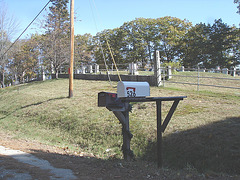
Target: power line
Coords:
[(99, 42), (109, 48), (25, 29)]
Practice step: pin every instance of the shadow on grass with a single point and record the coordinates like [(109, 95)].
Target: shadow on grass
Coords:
[(210, 148), (38, 103), (6, 114)]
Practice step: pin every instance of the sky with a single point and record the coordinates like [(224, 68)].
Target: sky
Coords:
[(93, 16)]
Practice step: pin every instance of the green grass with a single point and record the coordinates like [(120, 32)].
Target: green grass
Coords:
[(203, 133)]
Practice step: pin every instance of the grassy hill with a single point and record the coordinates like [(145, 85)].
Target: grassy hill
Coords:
[(202, 135)]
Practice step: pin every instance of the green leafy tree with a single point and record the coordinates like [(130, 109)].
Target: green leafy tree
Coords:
[(234, 51), (136, 45), (136, 41), (24, 61), (195, 49), (109, 43), (83, 49), (211, 46), (101, 48), (176, 39), (222, 40), (171, 32), (55, 41)]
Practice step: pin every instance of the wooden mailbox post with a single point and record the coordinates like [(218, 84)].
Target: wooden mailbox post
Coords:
[(121, 107)]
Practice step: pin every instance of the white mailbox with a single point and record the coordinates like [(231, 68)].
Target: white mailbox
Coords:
[(132, 89)]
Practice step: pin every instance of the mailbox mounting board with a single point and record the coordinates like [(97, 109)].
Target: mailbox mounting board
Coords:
[(133, 89)]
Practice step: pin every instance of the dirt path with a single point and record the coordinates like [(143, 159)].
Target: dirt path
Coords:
[(27, 159)]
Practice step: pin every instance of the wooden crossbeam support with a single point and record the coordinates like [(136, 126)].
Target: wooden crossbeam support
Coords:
[(169, 115), (160, 126)]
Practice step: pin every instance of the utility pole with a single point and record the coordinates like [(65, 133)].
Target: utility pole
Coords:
[(72, 49)]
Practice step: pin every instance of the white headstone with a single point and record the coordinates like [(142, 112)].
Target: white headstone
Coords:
[(157, 69), (83, 70), (225, 70)]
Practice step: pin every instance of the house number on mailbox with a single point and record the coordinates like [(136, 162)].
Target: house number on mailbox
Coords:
[(131, 92)]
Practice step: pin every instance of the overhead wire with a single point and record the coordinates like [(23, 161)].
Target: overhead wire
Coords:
[(25, 29), (113, 60), (112, 56), (105, 64), (104, 59)]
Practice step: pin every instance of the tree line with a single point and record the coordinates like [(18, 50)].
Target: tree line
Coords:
[(135, 41), (177, 41)]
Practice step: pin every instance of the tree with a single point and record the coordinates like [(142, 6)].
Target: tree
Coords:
[(135, 44), (106, 44), (211, 46), (24, 61), (171, 32), (237, 2), (234, 51), (221, 39), (55, 41), (8, 26), (83, 49), (195, 46), (136, 41)]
